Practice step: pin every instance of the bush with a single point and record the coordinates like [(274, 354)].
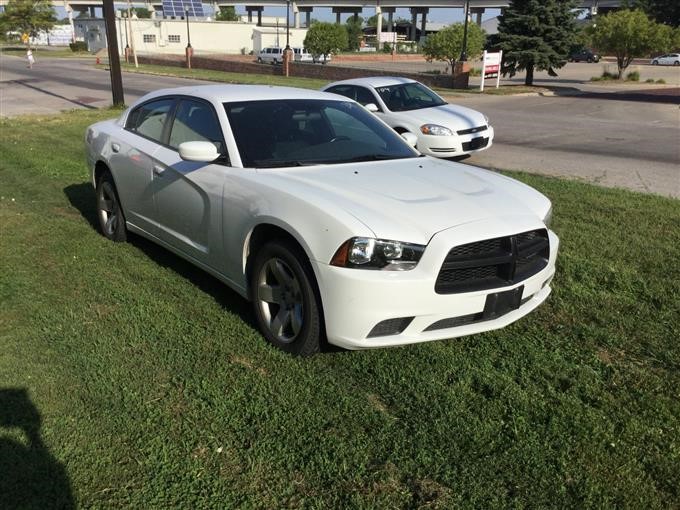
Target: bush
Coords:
[(387, 48), (78, 46), (649, 80), (661, 81), (633, 76), (475, 71)]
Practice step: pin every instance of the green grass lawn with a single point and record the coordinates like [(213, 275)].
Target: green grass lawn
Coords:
[(45, 52), (130, 379)]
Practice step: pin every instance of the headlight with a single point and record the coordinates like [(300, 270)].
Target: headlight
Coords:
[(547, 219), (435, 130), (369, 253)]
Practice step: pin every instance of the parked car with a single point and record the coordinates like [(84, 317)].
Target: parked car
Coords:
[(302, 55), (443, 130), (270, 55), (669, 59), (584, 55), (328, 221)]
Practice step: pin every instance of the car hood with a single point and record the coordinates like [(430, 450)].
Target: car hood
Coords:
[(452, 116), (412, 199)]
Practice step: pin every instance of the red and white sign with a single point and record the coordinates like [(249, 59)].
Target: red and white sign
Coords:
[(491, 67)]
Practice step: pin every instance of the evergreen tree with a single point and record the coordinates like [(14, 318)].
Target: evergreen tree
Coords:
[(536, 35), (662, 11)]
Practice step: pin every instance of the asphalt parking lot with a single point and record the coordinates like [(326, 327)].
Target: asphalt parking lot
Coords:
[(603, 134)]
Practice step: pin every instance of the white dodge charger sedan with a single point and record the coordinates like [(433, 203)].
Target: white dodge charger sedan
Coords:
[(443, 130), (326, 219)]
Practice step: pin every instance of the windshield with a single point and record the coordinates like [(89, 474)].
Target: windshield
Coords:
[(409, 96), (297, 132)]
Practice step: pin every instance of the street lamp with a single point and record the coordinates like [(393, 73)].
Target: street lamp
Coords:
[(189, 49), (463, 54)]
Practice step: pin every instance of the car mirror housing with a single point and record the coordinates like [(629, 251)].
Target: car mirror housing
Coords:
[(371, 107), (410, 138), (198, 151)]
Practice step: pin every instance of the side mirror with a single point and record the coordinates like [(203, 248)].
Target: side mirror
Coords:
[(371, 107), (198, 151), (410, 138)]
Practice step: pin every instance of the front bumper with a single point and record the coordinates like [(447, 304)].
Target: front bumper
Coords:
[(455, 145), (355, 300)]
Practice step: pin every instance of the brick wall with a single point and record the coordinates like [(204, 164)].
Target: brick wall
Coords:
[(319, 71)]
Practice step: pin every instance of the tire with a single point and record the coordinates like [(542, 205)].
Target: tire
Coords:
[(259, 60), (676, 63), (285, 298), (109, 212), (655, 62), (590, 60), (274, 62)]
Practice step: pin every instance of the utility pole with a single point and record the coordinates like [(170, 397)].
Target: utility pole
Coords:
[(132, 35), (188, 50), (114, 60), (463, 54)]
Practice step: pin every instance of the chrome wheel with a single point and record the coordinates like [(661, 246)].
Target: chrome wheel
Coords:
[(280, 300)]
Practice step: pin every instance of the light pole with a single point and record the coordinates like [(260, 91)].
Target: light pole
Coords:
[(287, 24), (189, 49), (463, 54), (287, 52)]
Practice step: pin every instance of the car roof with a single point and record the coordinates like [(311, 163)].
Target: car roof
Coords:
[(373, 81), (231, 93)]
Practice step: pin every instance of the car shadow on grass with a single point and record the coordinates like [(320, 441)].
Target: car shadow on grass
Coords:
[(82, 197), (30, 477)]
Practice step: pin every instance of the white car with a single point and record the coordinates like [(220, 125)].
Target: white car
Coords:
[(270, 55), (670, 59), (328, 221), (444, 130)]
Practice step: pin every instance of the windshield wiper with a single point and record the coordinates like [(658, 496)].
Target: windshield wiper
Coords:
[(281, 164), (366, 157)]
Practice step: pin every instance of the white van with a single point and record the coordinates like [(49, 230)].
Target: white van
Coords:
[(302, 55), (270, 55)]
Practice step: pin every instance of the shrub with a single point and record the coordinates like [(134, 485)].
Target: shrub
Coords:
[(633, 76), (661, 81), (387, 48), (649, 80), (78, 46)]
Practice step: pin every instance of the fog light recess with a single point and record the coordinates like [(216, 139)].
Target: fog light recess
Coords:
[(390, 327)]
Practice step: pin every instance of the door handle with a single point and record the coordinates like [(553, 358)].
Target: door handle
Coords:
[(115, 147), (158, 170)]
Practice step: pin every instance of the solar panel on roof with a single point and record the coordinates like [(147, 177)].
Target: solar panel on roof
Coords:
[(177, 8)]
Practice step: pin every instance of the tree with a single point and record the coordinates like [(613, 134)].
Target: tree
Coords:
[(142, 12), (662, 11), (447, 44), (536, 35), (27, 16), (354, 32), (227, 13), (325, 38), (629, 34), (373, 21)]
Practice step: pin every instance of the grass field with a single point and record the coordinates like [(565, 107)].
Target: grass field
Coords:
[(130, 379)]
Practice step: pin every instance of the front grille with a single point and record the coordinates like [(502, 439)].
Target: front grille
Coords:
[(477, 129), (475, 143), (493, 263)]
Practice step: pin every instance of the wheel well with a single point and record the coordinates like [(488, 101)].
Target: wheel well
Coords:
[(262, 234), (100, 169)]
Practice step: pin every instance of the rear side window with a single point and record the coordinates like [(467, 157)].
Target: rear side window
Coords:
[(148, 120)]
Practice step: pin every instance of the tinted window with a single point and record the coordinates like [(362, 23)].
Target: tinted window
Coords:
[(343, 90), (148, 120), (195, 121), (409, 96), (364, 96), (279, 133)]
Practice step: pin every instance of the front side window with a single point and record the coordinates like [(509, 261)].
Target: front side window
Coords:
[(195, 121), (297, 132), (148, 119), (409, 96)]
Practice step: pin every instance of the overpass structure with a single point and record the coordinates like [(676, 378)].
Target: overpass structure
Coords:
[(417, 8)]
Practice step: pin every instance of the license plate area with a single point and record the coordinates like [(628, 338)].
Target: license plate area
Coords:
[(500, 303)]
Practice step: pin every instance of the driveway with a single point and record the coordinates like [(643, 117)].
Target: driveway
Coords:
[(610, 139)]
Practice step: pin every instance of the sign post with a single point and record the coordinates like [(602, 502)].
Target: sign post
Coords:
[(491, 68)]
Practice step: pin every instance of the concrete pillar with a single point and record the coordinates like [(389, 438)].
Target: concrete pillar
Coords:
[(308, 18), (259, 17), (250, 16), (423, 23), (92, 12), (390, 21), (296, 15), (414, 22), (337, 18), (477, 11), (378, 26)]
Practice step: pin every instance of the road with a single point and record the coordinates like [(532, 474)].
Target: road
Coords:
[(607, 139)]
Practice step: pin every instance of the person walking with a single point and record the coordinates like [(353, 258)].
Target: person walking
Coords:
[(30, 58)]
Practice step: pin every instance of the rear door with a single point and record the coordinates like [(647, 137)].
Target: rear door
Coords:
[(188, 194)]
